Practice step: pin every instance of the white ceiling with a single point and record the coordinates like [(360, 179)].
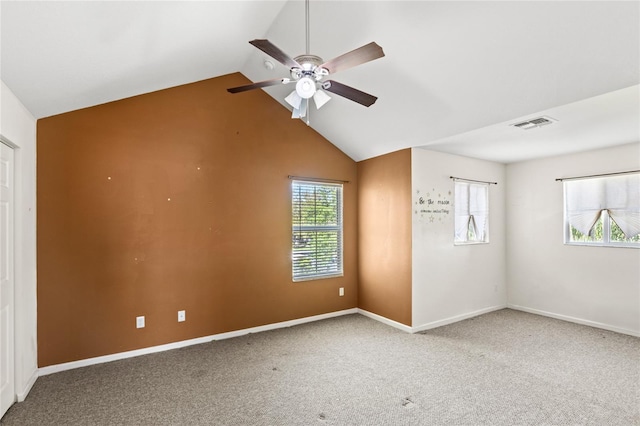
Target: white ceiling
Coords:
[(455, 75)]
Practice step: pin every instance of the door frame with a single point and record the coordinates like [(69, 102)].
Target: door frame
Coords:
[(12, 360)]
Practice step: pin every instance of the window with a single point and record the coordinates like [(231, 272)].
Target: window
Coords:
[(471, 212), (603, 211), (317, 230)]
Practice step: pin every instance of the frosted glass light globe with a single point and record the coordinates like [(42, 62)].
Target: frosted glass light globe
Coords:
[(306, 87)]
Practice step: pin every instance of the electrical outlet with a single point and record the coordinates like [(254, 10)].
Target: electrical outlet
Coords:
[(182, 315), (140, 322), (341, 291)]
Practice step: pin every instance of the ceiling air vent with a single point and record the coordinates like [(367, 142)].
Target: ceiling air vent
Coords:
[(535, 122)]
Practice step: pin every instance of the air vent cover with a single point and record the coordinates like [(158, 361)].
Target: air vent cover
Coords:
[(534, 122)]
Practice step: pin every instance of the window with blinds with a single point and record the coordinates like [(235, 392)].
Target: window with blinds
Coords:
[(317, 230), (603, 211), (471, 212)]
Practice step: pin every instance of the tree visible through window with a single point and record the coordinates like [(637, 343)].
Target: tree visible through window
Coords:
[(317, 230)]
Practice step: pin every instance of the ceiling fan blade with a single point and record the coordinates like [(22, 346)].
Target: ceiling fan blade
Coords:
[(349, 92), (363, 54), (259, 84), (272, 50)]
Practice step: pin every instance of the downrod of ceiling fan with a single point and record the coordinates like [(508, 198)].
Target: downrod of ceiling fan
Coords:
[(306, 11)]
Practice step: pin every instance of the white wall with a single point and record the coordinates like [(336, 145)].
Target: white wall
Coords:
[(454, 282), (18, 126), (597, 286)]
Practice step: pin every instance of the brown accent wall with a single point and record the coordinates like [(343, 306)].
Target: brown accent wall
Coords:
[(384, 236), (177, 199)]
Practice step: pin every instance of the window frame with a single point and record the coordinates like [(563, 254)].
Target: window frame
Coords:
[(486, 239), (339, 228), (606, 225)]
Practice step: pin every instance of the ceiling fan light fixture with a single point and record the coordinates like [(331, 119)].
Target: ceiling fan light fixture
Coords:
[(320, 98), (301, 111), (294, 99), (309, 70), (306, 87), (303, 108)]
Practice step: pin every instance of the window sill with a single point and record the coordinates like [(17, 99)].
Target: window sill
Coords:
[(609, 245), (317, 277)]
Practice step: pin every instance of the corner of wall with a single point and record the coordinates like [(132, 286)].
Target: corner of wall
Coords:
[(452, 282), (384, 236), (563, 281)]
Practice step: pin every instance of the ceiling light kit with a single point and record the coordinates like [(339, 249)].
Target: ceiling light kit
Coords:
[(308, 72)]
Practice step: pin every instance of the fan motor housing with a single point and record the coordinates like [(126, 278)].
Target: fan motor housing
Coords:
[(308, 60), (310, 67)]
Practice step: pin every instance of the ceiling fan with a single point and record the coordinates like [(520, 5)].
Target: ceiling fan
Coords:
[(308, 72)]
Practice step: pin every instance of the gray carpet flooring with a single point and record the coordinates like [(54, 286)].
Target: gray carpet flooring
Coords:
[(502, 368)]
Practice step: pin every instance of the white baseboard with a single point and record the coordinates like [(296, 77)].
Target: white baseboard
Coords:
[(456, 318), (385, 320), (130, 354), (160, 348), (21, 395), (575, 320)]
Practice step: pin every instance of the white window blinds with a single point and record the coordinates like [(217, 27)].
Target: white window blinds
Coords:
[(471, 212), (317, 230), (619, 195)]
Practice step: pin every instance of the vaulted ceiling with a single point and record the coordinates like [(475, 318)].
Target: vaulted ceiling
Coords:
[(456, 74)]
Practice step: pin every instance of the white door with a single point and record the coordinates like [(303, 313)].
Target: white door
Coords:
[(7, 377)]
